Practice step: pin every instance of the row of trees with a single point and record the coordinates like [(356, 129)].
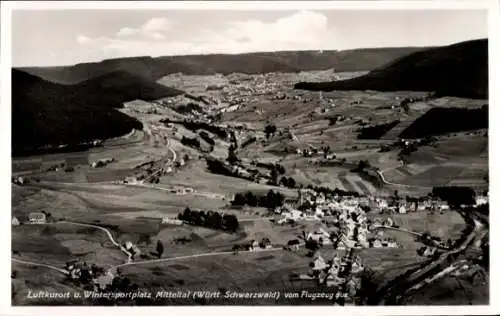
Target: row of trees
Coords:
[(288, 182), (329, 191), (194, 126), (204, 135), (210, 219), (271, 200), (376, 131)]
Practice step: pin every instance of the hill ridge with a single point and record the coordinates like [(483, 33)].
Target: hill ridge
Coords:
[(153, 68), (459, 69)]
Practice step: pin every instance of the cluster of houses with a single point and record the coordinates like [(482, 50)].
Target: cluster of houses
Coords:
[(33, 218), (254, 245), (149, 175), (343, 273), (81, 271), (351, 227)]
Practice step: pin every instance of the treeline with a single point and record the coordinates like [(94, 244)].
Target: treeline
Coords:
[(188, 108), (219, 167), (271, 166), (288, 182), (455, 196), (271, 200), (376, 131), (191, 142), (329, 191), (194, 126), (438, 121), (210, 219)]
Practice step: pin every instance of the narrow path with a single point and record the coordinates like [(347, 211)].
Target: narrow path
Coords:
[(40, 265), (209, 254)]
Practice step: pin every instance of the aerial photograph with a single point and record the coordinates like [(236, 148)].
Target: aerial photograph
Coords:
[(249, 157)]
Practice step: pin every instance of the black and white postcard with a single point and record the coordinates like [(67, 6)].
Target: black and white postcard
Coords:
[(248, 153)]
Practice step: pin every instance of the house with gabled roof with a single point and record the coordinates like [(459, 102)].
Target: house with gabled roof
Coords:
[(37, 218)]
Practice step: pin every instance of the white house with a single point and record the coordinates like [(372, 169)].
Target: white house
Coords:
[(388, 222), (171, 221), (481, 200), (318, 235), (103, 281), (444, 207), (357, 266), (377, 244), (402, 209), (37, 218)]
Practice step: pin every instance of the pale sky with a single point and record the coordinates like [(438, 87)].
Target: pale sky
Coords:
[(47, 38)]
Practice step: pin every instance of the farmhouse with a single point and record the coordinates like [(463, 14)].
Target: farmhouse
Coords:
[(388, 222), (15, 221), (265, 243), (171, 221), (104, 281), (402, 209), (254, 244), (319, 235), (37, 218)]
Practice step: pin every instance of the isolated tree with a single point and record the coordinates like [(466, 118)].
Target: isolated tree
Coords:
[(232, 158), (291, 183), (159, 248), (251, 199), (239, 199), (270, 130), (281, 170), (312, 244)]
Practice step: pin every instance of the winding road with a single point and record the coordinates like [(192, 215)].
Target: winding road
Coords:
[(108, 233), (37, 264)]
